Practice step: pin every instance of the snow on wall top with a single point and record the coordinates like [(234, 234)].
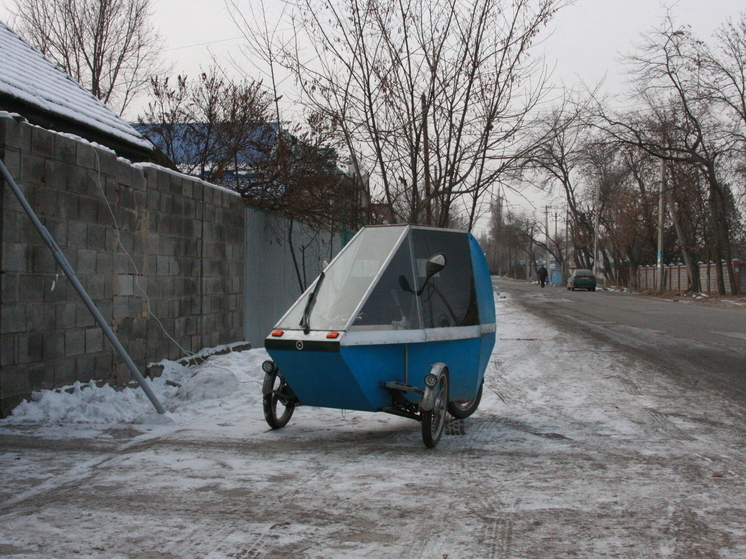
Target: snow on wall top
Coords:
[(30, 77)]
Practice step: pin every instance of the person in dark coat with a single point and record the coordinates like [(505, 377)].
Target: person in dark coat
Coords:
[(543, 274)]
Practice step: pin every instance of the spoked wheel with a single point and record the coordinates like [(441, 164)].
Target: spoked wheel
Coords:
[(434, 421), (279, 400), (464, 408)]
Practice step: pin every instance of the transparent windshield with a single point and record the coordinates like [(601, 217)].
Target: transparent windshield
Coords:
[(346, 281), (392, 305)]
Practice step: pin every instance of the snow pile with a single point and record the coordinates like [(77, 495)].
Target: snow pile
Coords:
[(182, 388)]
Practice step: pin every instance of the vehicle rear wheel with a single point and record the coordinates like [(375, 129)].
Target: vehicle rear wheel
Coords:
[(434, 420), (279, 400), (464, 408)]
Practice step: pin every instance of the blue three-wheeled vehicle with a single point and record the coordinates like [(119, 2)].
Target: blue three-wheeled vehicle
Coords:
[(401, 321)]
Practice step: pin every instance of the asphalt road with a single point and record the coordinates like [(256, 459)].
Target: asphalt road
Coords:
[(692, 341)]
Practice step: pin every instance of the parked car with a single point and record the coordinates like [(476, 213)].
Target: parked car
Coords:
[(582, 279)]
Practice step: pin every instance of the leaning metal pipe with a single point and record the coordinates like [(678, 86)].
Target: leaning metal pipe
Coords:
[(70, 273)]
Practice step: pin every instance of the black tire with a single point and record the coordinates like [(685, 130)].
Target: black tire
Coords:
[(464, 408), (434, 421), (277, 397)]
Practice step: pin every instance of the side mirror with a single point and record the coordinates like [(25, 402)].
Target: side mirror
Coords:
[(434, 265)]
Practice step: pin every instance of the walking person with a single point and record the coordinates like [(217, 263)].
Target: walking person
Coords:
[(543, 274)]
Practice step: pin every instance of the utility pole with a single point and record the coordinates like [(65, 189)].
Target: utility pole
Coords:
[(426, 150), (546, 235), (661, 190), (596, 225)]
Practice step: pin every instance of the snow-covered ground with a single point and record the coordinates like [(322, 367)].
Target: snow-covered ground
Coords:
[(578, 450)]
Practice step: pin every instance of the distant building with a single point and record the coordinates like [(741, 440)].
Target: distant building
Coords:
[(229, 151)]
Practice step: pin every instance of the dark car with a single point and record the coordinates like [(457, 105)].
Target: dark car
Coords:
[(582, 279)]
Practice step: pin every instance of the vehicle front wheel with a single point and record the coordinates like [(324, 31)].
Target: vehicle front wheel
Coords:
[(434, 420), (279, 400), (464, 408)]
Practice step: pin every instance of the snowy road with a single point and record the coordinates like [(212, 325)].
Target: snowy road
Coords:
[(578, 450)]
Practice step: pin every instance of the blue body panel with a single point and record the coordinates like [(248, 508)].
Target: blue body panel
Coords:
[(485, 301), (351, 378)]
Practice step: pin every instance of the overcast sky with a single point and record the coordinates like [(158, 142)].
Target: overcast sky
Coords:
[(586, 40)]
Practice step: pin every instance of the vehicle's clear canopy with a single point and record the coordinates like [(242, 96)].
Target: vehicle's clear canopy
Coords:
[(378, 282), (346, 281)]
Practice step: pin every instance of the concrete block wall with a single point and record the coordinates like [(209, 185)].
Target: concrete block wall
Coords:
[(676, 277), (173, 268)]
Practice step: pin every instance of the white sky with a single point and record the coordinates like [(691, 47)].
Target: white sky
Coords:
[(586, 41)]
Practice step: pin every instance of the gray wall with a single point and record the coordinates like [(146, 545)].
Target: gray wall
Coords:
[(185, 239), (272, 283)]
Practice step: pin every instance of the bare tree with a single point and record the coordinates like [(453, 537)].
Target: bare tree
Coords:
[(680, 123), (108, 46), (431, 94), (211, 127)]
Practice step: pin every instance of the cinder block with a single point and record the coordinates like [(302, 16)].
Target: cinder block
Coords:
[(85, 368), (68, 206), (121, 308), (40, 377), (45, 202), (96, 237), (95, 285), (65, 149), (94, 340), (14, 382), (40, 317), (56, 290), (13, 318), (42, 142), (33, 173), (8, 350), (74, 342), (124, 284), (108, 162), (64, 316), (83, 316), (54, 345), (104, 366), (9, 288), (64, 372), (43, 261), (85, 156), (86, 261), (105, 307), (104, 263)]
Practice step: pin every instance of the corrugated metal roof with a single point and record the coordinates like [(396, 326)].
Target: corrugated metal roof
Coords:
[(29, 77)]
